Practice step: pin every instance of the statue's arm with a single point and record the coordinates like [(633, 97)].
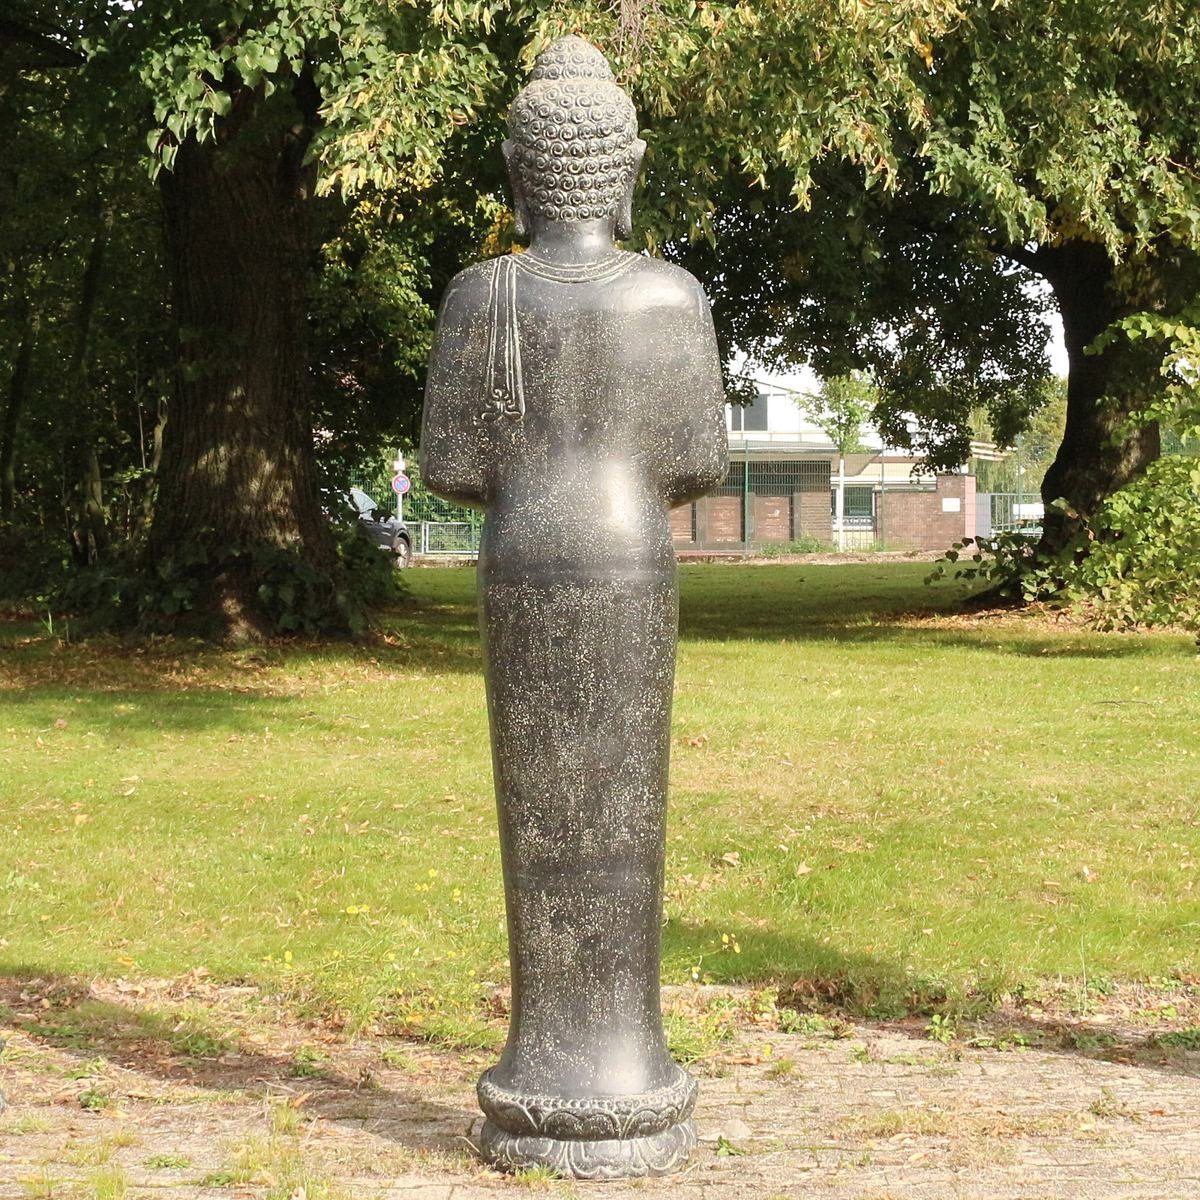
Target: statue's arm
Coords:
[(697, 443), (454, 442)]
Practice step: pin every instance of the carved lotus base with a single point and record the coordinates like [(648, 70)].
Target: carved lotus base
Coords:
[(592, 1137), (611, 1158)]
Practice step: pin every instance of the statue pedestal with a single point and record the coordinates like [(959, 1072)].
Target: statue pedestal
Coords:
[(593, 1138)]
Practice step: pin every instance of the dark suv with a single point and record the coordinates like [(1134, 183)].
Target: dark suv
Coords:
[(386, 531)]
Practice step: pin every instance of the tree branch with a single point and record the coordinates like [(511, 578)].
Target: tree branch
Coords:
[(49, 41)]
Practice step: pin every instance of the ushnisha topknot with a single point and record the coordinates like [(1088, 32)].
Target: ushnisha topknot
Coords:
[(573, 133), (571, 58)]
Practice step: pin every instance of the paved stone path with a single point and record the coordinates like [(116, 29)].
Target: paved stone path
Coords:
[(875, 1113)]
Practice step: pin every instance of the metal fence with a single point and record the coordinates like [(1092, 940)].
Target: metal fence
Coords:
[(768, 502), (777, 499), (1016, 512), (455, 538), (438, 528)]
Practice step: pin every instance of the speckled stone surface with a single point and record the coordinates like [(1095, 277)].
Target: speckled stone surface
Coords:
[(575, 395)]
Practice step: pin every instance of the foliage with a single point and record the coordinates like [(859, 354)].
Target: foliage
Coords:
[(840, 410), (1033, 450), (803, 545), (1177, 404), (210, 70), (393, 81), (1143, 566), (120, 593), (384, 261), (1136, 562), (82, 278), (31, 562), (977, 137), (864, 281), (1009, 562), (861, 179)]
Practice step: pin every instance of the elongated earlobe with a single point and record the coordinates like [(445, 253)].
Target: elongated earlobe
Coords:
[(520, 207), (624, 223)]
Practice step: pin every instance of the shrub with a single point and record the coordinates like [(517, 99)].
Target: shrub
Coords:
[(1136, 563), (127, 590), (803, 545), (31, 562), (1143, 563)]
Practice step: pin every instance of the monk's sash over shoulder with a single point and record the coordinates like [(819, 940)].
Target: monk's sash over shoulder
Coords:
[(504, 393)]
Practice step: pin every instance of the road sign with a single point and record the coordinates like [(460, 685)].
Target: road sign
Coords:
[(401, 484)]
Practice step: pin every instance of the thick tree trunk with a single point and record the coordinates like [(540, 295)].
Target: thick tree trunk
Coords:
[(18, 389), (238, 472), (1097, 456)]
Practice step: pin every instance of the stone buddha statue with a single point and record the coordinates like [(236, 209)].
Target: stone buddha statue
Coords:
[(575, 395)]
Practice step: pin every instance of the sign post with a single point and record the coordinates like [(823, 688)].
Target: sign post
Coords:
[(400, 485)]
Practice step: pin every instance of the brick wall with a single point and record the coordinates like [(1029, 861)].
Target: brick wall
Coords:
[(772, 519), (719, 519), (813, 517), (681, 523), (917, 520)]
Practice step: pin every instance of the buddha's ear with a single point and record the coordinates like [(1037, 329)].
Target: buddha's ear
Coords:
[(515, 183), (624, 222)]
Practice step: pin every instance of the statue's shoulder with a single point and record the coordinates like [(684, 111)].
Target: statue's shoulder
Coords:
[(662, 284), (469, 288)]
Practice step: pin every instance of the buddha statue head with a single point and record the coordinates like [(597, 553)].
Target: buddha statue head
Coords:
[(572, 150)]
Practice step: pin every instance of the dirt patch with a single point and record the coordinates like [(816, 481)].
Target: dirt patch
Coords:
[(189, 1090)]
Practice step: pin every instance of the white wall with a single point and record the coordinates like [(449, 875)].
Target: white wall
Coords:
[(787, 423)]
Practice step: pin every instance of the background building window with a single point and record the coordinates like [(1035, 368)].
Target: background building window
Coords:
[(860, 505), (750, 418)]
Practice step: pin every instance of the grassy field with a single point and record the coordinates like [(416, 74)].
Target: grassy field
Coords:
[(874, 801)]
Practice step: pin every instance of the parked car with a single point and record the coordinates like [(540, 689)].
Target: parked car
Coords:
[(386, 531)]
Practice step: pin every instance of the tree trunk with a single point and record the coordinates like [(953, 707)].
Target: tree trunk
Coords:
[(1097, 455), (18, 388), (155, 463), (89, 533), (238, 473)]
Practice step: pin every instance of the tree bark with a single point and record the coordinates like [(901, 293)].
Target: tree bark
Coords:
[(89, 533), (1097, 455), (18, 389), (238, 473)]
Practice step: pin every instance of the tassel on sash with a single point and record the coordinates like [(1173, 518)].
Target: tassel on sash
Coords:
[(504, 394)]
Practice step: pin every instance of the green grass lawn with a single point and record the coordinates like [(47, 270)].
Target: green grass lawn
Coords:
[(870, 796)]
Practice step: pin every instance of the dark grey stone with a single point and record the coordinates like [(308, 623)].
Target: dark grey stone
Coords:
[(575, 395)]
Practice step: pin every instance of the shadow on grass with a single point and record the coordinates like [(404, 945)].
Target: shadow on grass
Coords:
[(181, 686), (857, 603), (186, 710), (1008, 1029), (810, 977), (438, 635), (904, 634), (788, 616), (185, 1048)]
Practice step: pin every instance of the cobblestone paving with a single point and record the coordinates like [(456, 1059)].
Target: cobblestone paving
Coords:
[(876, 1113)]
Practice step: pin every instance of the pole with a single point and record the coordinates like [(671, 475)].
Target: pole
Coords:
[(882, 485), (398, 465), (745, 498), (841, 503)]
